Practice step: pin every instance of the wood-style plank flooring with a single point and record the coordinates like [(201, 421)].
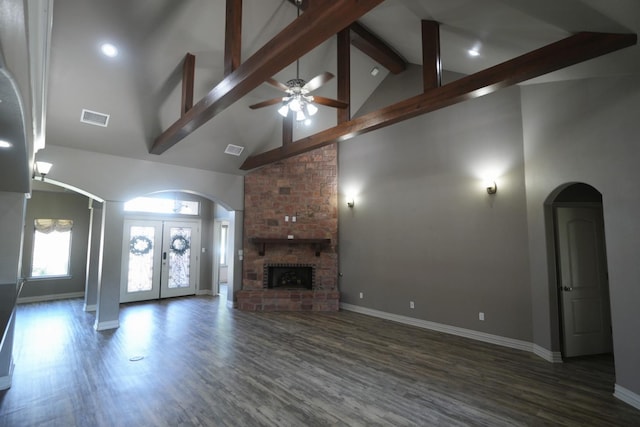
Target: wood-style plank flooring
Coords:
[(207, 365)]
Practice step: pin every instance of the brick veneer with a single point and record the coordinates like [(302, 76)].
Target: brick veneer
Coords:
[(305, 186)]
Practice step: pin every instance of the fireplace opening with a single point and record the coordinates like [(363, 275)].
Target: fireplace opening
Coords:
[(289, 276)]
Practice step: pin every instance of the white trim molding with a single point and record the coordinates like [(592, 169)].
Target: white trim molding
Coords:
[(461, 332), (103, 326), (53, 297), (39, 26), (90, 307), (548, 355), (627, 396), (5, 382), (201, 292)]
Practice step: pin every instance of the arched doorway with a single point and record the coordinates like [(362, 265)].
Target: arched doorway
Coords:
[(581, 271)]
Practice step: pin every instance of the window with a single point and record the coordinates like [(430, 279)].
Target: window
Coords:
[(224, 229), (162, 206), (51, 247)]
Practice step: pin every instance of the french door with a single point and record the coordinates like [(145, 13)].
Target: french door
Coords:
[(159, 259)]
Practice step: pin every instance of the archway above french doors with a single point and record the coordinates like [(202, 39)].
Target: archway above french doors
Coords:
[(159, 259)]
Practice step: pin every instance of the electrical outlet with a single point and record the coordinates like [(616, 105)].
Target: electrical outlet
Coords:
[(481, 315), (361, 295), (411, 304)]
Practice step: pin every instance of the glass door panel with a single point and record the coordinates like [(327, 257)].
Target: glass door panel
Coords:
[(180, 258), (140, 260)]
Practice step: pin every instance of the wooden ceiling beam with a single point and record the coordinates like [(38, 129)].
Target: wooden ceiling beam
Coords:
[(233, 36), (376, 49), (569, 51), (188, 79), (323, 19), (371, 45), (287, 129), (344, 75), (431, 63)]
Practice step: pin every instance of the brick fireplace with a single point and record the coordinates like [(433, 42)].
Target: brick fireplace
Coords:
[(291, 223)]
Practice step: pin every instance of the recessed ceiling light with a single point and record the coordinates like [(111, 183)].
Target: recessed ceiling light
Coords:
[(109, 50), (473, 52), (5, 144)]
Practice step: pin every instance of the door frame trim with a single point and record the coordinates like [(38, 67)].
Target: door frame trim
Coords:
[(555, 321)]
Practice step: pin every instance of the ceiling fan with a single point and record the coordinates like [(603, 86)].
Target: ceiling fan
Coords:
[(297, 100)]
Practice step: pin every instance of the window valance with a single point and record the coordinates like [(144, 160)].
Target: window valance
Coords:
[(47, 226)]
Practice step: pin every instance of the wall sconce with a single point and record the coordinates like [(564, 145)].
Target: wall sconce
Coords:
[(41, 168), (492, 187), (350, 202)]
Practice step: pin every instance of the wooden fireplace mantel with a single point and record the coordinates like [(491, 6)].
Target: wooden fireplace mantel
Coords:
[(263, 241)]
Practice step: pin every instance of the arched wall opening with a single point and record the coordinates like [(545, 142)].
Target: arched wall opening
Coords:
[(100, 236)]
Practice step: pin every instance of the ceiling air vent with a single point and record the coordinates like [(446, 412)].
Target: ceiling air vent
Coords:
[(94, 118), (234, 150)]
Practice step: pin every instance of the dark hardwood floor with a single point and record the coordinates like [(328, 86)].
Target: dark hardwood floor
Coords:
[(203, 364)]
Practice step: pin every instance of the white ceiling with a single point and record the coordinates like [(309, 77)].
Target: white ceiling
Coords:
[(141, 87)]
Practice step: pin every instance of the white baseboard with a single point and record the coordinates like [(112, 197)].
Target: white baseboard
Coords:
[(627, 396), (103, 326), (548, 355), (5, 382), (453, 330), (54, 297), (90, 307), (204, 292)]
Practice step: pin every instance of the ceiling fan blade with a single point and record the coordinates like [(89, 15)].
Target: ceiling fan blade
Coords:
[(280, 86), (318, 81), (329, 102), (266, 103)]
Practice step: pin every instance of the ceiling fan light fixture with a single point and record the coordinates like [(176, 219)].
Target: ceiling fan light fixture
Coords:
[(284, 110), (300, 116), (295, 105), (311, 109)]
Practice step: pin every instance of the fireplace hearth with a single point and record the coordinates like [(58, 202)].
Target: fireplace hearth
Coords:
[(289, 276)]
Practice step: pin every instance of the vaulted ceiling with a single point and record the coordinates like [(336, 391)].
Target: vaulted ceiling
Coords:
[(141, 88)]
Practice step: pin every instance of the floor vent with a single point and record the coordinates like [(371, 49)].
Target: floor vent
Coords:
[(94, 118), (234, 150)]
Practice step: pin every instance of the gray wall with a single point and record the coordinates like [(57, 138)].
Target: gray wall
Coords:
[(12, 210), (206, 241), (44, 204), (424, 229), (587, 131)]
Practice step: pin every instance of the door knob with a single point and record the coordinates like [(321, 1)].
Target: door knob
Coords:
[(567, 288)]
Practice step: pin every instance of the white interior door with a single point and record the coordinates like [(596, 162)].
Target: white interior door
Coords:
[(160, 259), (583, 281)]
